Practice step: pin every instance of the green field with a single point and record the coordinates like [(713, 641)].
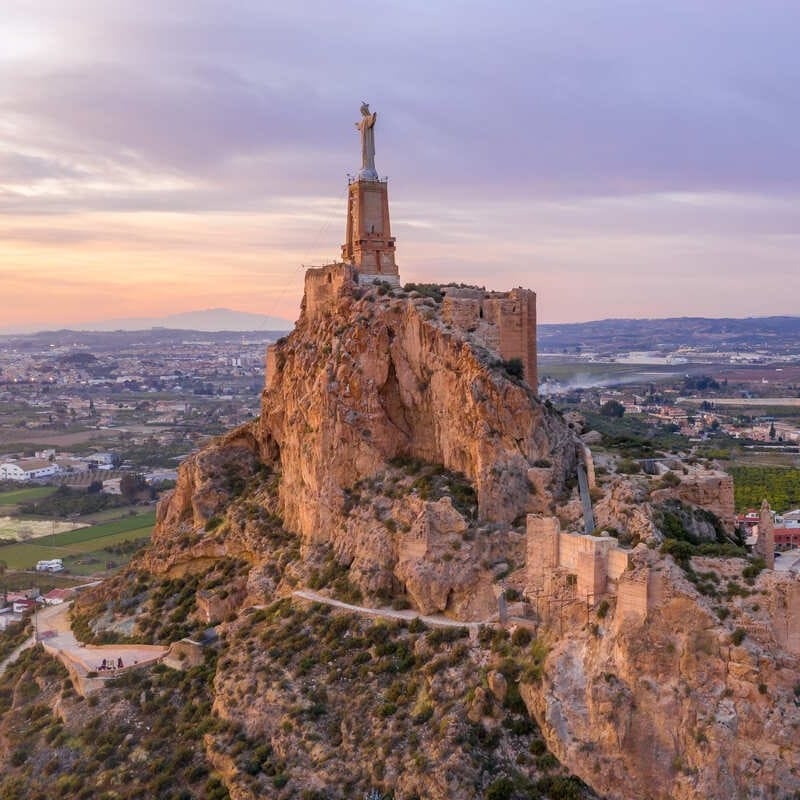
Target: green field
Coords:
[(17, 496), (109, 514), (20, 581), (79, 542), (105, 529), (779, 485), (605, 372)]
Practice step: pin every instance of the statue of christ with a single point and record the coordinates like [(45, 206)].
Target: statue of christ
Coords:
[(367, 128)]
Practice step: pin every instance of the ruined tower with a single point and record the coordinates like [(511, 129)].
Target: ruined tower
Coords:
[(765, 544), (504, 321), (369, 244)]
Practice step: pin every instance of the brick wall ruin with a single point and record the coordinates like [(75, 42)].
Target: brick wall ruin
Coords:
[(597, 565), (323, 285), (503, 321)]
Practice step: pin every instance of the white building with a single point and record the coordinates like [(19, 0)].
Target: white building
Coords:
[(790, 519), (28, 470), (50, 565)]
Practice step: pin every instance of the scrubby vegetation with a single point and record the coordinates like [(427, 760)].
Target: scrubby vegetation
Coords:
[(158, 610), (357, 703), (141, 738), (13, 636), (411, 475)]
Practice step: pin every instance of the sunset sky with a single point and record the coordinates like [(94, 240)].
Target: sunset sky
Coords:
[(623, 159)]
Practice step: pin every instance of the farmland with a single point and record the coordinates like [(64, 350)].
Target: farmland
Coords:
[(84, 547), (17, 496)]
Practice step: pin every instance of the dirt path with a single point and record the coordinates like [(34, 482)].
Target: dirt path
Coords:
[(14, 654), (390, 613)]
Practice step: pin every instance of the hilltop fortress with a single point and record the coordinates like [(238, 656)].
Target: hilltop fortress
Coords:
[(504, 322), (402, 457)]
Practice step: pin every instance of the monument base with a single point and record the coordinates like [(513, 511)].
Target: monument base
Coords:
[(367, 279)]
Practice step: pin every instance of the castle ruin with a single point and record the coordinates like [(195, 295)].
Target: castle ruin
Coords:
[(504, 322)]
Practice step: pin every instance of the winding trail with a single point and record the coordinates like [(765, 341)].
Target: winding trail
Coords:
[(15, 654), (408, 615), (57, 638)]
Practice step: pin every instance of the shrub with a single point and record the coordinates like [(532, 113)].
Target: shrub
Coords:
[(559, 787), (612, 408), (521, 637), (627, 466), (500, 789), (667, 480), (680, 551), (752, 570), (737, 637), (432, 290), (514, 368)]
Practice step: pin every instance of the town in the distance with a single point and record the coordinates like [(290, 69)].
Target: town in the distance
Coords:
[(94, 424)]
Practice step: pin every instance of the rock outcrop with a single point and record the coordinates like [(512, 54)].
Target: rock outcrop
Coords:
[(710, 490), (697, 700), (371, 381), (395, 458)]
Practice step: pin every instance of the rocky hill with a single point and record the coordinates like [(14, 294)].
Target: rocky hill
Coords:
[(389, 440), (399, 463)]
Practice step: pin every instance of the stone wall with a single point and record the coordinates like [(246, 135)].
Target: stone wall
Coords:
[(593, 560), (542, 549), (618, 561), (786, 619), (323, 285), (765, 543), (271, 372), (502, 321), (632, 595)]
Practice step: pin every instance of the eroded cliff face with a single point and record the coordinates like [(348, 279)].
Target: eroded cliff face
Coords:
[(696, 701), (379, 377), (395, 458), (376, 389)]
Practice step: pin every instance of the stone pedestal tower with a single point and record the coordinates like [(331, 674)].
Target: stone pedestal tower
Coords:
[(369, 244)]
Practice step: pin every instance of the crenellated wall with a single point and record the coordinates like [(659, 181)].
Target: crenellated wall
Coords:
[(597, 562)]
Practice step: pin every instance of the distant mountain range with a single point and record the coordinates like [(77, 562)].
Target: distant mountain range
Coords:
[(210, 319), (777, 335)]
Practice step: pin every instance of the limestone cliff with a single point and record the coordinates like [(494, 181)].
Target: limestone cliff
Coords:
[(395, 459), (696, 700), (373, 386)]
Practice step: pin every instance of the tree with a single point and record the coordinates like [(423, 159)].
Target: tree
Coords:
[(772, 431), (612, 408), (3, 567)]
